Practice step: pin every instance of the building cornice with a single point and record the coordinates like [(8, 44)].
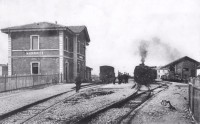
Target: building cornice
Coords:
[(38, 57), (34, 29)]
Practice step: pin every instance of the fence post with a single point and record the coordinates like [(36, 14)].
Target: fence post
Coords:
[(60, 77), (32, 79), (16, 80), (193, 82), (189, 95), (5, 83)]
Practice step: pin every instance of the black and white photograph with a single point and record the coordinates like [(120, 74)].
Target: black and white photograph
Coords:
[(100, 62)]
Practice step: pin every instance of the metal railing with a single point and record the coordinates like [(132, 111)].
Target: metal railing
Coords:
[(14, 82), (194, 98)]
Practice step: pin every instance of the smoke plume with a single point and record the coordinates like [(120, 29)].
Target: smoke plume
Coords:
[(170, 53), (157, 51), (143, 49)]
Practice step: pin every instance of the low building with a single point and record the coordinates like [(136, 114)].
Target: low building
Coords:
[(161, 72), (183, 68), (88, 74), (3, 69), (47, 48), (95, 78)]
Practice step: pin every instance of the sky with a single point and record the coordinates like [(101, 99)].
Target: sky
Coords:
[(117, 28)]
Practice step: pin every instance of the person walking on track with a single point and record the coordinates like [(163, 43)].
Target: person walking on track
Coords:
[(78, 83)]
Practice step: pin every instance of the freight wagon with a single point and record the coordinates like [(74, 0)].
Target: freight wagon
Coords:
[(107, 74)]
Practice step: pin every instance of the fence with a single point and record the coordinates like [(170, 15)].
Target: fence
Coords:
[(16, 82), (194, 98)]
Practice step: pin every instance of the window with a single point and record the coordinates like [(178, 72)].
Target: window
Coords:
[(66, 43), (78, 47), (35, 68), (34, 42), (84, 48), (78, 68)]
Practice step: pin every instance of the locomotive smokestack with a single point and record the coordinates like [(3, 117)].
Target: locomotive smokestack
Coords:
[(143, 50)]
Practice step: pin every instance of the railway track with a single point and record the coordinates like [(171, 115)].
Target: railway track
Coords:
[(26, 113), (131, 104)]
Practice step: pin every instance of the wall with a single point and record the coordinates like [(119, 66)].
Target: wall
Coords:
[(161, 72), (47, 55), (22, 66), (47, 40), (186, 64), (198, 72)]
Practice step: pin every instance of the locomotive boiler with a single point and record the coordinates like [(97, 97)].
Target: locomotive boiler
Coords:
[(144, 75)]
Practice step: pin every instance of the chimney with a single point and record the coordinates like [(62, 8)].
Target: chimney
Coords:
[(142, 64), (56, 22)]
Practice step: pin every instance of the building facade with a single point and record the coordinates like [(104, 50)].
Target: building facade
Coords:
[(47, 48), (161, 72)]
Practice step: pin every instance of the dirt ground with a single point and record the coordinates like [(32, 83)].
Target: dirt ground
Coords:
[(153, 112)]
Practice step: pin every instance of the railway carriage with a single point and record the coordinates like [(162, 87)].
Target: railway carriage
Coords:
[(107, 74)]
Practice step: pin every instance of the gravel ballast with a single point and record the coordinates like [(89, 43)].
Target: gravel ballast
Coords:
[(66, 111)]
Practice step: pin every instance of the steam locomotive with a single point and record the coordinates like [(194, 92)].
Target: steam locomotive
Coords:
[(144, 75)]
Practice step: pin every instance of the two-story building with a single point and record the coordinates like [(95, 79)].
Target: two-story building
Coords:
[(47, 48)]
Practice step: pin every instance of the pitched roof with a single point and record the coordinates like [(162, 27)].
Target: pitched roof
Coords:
[(3, 65), (88, 67), (47, 26), (79, 29), (76, 29), (40, 25), (181, 59)]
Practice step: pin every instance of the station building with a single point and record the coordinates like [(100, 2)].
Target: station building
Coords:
[(185, 67), (47, 48)]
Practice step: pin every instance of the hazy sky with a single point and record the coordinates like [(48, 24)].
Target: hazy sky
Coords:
[(170, 28)]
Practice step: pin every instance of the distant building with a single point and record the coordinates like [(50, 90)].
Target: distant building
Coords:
[(95, 77), (3, 69), (184, 67), (47, 48), (162, 71), (88, 74)]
